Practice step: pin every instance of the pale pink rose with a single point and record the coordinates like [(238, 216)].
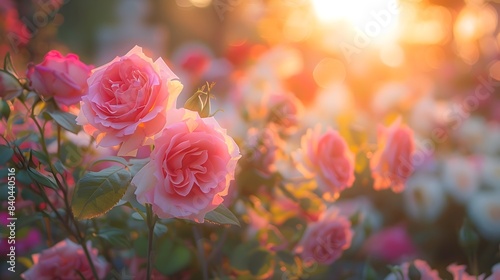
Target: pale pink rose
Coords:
[(459, 273), (127, 101), (326, 157), (390, 244), (62, 77), (495, 273), (324, 241), (425, 271), (191, 167), (63, 260), (391, 164)]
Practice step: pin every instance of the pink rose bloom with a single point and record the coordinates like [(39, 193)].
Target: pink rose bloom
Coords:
[(391, 244), (426, 273), (263, 147), (191, 167), (392, 164), (285, 111), (62, 77), (327, 158), (325, 240), (459, 273), (127, 101), (61, 261)]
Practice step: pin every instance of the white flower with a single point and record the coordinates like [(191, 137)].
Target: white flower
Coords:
[(472, 133), (490, 172), (424, 197), (484, 211), (460, 178)]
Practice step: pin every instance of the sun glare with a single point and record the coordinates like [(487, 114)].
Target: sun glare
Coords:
[(376, 18)]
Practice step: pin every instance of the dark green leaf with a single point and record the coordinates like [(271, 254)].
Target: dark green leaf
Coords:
[(65, 120), (44, 180), (4, 110), (260, 262), (115, 237), (160, 229), (97, 192), (222, 215), (9, 66), (172, 257), (6, 154), (119, 160), (137, 164), (11, 85)]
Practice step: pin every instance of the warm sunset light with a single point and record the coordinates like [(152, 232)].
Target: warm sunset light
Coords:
[(354, 12)]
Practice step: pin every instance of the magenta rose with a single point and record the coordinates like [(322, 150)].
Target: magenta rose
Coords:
[(63, 260), (127, 101), (62, 77), (391, 244), (192, 164), (392, 163), (326, 157), (324, 241)]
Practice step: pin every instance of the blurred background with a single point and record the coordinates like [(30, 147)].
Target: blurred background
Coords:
[(352, 64)]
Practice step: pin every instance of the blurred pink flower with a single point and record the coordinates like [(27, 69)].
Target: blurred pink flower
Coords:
[(391, 244), (63, 260), (285, 111), (191, 167), (324, 241), (263, 147), (459, 273), (326, 157), (62, 77), (127, 101), (495, 273), (391, 164), (426, 273)]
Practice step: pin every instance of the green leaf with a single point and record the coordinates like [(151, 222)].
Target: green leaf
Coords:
[(137, 164), (240, 255), (119, 160), (9, 66), (6, 154), (141, 246), (172, 257), (65, 120), (97, 192), (11, 85), (260, 262), (115, 237), (160, 229), (44, 180), (222, 215), (286, 257), (4, 110)]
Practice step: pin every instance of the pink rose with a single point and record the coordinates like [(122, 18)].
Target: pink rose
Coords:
[(325, 240), (191, 166), (62, 261), (391, 244), (391, 164), (327, 158), (285, 111), (127, 101), (425, 271), (62, 77), (263, 147)]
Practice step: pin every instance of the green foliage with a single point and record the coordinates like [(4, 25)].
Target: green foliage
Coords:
[(97, 192), (64, 119), (222, 215), (172, 257), (6, 154)]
